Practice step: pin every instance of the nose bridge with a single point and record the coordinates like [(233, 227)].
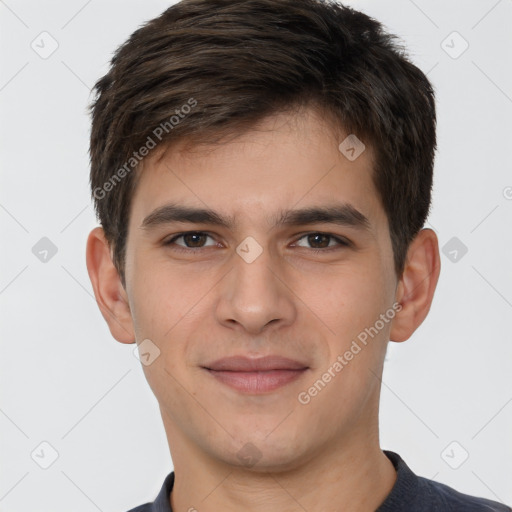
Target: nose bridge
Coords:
[(252, 295)]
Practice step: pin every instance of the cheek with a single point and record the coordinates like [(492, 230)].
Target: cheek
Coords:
[(349, 300), (170, 308), (360, 335), (150, 306), (160, 296)]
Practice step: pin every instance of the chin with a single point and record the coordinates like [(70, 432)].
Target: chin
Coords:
[(259, 454)]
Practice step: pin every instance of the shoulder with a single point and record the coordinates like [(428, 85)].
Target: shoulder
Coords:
[(148, 507), (161, 503), (412, 493), (443, 498)]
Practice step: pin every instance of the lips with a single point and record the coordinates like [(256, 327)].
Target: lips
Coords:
[(245, 364), (257, 375)]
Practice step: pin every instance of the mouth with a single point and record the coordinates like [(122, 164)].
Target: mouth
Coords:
[(257, 375)]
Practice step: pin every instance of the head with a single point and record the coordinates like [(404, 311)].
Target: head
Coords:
[(251, 111)]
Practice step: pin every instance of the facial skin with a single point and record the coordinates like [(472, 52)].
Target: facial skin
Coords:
[(209, 302)]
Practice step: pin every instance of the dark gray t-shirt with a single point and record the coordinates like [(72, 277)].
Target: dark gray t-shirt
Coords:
[(410, 493)]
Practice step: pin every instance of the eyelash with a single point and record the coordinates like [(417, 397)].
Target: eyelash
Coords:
[(170, 242)]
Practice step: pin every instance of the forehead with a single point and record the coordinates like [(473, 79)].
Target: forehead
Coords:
[(285, 162)]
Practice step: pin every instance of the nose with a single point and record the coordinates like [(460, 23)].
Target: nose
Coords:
[(255, 296)]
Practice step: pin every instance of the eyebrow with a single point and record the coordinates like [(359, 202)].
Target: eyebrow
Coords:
[(343, 214)]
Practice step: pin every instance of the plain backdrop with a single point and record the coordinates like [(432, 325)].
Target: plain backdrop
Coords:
[(65, 382)]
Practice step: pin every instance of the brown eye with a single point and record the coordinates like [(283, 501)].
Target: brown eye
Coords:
[(322, 241), (192, 240)]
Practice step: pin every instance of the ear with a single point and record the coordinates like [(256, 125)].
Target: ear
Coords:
[(110, 294), (417, 284)]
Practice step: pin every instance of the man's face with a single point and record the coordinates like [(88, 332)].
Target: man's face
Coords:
[(307, 298)]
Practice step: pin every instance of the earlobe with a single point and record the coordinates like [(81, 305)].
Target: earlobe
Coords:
[(417, 284), (108, 289)]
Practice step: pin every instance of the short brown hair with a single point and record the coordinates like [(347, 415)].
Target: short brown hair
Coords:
[(207, 68)]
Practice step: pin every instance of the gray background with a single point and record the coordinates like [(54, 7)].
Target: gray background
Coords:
[(447, 392)]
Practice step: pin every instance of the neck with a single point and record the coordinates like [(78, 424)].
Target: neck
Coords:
[(355, 476)]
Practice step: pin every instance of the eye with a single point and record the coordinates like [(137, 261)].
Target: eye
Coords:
[(322, 242), (192, 240), (318, 242)]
